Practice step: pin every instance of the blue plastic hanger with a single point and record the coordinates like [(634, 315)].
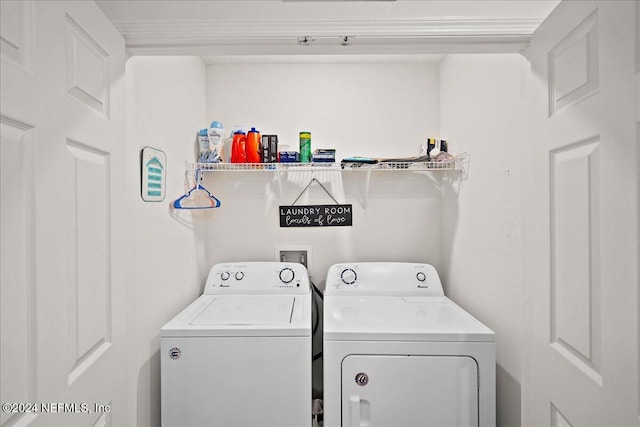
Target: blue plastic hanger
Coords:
[(213, 201)]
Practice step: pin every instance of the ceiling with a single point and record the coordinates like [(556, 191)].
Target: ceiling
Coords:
[(222, 30)]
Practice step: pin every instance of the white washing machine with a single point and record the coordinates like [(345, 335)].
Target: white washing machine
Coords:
[(240, 355), (398, 353)]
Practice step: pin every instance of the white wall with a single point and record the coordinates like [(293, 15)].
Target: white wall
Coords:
[(368, 109), (371, 108), (483, 105), (471, 234), (166, 105)]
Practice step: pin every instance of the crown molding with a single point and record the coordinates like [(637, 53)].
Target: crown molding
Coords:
[(210, 37)]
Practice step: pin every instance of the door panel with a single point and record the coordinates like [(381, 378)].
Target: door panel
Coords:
[(575, 263), (581, 219), (409, 391), (16, 43), (17, 369), (64, 215)]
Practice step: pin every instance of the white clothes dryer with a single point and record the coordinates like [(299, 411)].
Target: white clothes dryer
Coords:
[(240, 354), (399, 353)]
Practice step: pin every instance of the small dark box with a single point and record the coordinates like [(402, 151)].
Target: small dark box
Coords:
[(269, 148)]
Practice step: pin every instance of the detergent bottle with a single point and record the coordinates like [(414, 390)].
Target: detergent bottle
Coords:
[(254, 151), (238, 147), (216, 136)]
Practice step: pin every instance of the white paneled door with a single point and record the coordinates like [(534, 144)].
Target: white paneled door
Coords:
[(581, 355), (64, 264)]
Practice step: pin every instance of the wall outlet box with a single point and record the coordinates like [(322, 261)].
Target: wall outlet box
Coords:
[(295, 253)]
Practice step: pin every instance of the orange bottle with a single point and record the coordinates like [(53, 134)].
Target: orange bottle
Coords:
[(238, 148), (253, 147)]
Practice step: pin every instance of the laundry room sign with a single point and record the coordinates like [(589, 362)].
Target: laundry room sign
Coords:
[(316, 216)]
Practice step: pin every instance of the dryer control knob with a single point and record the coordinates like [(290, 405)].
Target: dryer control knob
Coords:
[(239, 275), (287, 275), (225, 275), (348, 276), (421, 276)]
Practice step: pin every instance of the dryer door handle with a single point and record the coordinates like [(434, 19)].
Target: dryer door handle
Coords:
[(359, 412), (354, 411)]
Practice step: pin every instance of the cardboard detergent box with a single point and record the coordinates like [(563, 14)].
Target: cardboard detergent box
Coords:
[(324, 155), (289, 157), (269, 148)]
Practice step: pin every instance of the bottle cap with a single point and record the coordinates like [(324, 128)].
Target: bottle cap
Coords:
[(216, 124), (253, 130), (203, 132)]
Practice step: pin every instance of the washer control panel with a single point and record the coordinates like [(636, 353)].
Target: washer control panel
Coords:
[(257, 278), (383, 278)]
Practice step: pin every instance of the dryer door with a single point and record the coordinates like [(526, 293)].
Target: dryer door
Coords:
[(409, 391)]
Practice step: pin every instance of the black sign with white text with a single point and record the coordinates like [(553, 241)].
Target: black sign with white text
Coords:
[(316, 216)]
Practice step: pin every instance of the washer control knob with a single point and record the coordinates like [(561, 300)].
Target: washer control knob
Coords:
[(348, 276), (287, 275), (239, 275), (421, 276), (225, 275)]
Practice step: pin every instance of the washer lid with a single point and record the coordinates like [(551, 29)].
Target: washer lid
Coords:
[(378, 318), (243, 316), (247, 310)]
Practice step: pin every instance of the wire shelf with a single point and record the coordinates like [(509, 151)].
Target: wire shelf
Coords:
[(264, 166), (456, 163)]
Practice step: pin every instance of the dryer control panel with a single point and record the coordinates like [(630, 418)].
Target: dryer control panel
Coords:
[(383, 278), (257, 278)]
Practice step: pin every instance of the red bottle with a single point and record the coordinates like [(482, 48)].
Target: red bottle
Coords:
[(254, 154), (238, 148)]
